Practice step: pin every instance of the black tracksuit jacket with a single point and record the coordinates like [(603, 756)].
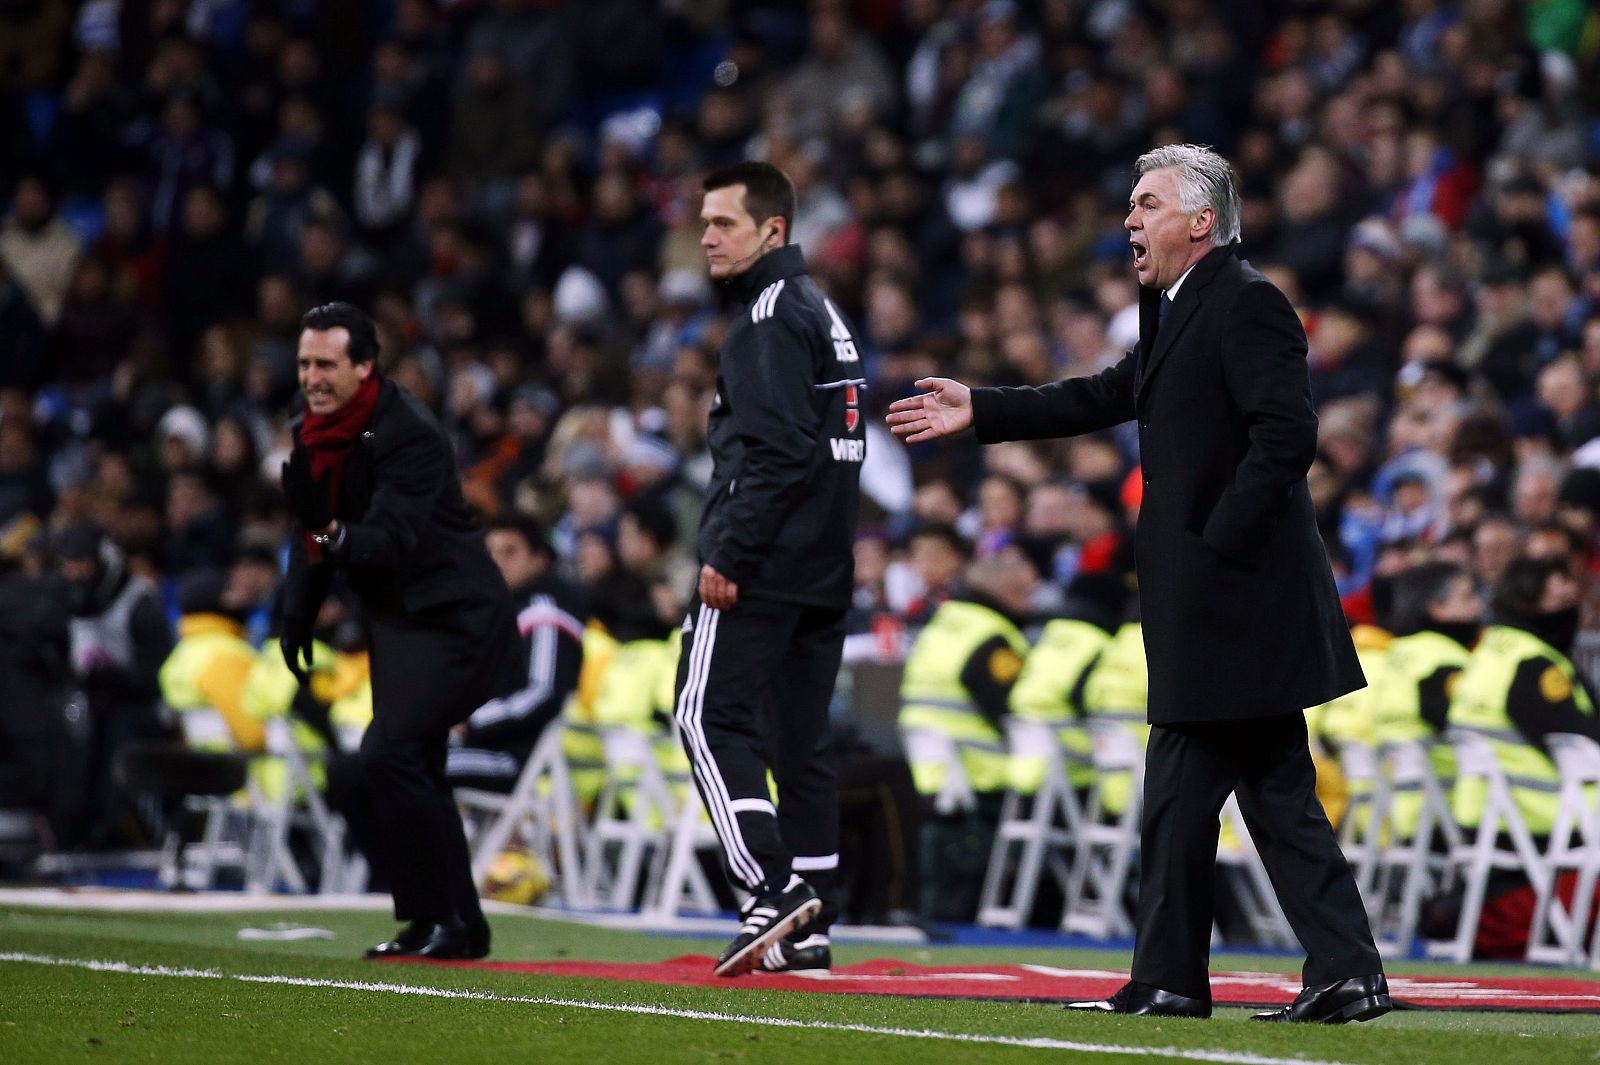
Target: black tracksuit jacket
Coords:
[(787, 436)]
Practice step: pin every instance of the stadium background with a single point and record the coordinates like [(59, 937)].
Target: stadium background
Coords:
[(511, 186)]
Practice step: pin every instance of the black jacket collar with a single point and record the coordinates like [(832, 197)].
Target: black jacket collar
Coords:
[(776, 265), (1200, 275)]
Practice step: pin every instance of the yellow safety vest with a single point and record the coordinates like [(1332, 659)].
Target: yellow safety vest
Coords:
[(269, 693), (1397, 711), (581, 744), (1066, 648), (670, 755), (350, 708), (629, 696), (207, 669), (1118, 689), (932, 696), (1479, 704), (1348, 719)]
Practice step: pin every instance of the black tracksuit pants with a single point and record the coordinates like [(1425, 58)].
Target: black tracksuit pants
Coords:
[(1189, 771), (754, 684)]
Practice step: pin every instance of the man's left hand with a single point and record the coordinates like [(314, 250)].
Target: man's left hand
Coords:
[(717, 591)]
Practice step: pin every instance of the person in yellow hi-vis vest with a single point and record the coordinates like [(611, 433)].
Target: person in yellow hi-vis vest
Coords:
[(208, 666), (1051, 686), (630, 691), (1436, 617), (1519, 686), (1346, 719), (958, 680), (1117, 690)]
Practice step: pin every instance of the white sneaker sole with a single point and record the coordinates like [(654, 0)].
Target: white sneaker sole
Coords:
[(749, 959)]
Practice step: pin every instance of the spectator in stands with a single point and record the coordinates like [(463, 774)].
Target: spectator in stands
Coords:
[(38, 248), (1518, 687), (495, 742), (119, 640), (958, 679)]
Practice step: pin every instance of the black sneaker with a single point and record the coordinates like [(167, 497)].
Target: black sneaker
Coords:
[(767, 919), (798, 954)]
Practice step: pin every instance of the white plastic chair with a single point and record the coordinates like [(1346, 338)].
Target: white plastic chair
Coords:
[(1241, 863), (1360, 830), (1104, 854), (1476, 858), (228, 820), (677, 883), (541, 809), (1557, 933), (633, 816), (927, 747), (299, 804), (1041, 827), (1409, 869)]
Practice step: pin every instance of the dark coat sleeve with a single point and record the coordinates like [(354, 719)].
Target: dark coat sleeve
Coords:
[(1264, 361), (1536, 715), (991, 693), (769, 383), (410, 474), (1433, 697), (1061, 408)]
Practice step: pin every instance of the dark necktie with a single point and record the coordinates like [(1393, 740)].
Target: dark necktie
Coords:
[(1161, 311)]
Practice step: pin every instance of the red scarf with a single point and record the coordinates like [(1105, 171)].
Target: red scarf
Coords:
[(329, 437)]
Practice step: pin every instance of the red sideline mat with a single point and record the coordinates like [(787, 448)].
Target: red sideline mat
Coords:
[(886, 976)]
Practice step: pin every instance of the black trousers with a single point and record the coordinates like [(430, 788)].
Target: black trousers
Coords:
[(429, 867), (753, 689), (1266, 762)]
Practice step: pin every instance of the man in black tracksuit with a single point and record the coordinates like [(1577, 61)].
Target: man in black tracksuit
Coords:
[(764, 634)]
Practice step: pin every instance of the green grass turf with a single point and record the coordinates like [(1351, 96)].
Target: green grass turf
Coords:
[(58, 1014)]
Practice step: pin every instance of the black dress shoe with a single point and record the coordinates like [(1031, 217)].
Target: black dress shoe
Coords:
[(1145, 1001), (442, 940), (1359, 998), (405, 943)]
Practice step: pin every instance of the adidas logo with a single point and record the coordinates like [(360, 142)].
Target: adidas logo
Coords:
[(688, 624)]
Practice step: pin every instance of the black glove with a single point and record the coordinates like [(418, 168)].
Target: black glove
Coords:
[(295, 642), (310, 498)]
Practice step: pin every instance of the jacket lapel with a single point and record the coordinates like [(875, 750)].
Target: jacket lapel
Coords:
[(1183, 309)]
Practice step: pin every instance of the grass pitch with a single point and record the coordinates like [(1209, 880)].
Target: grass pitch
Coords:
[(177, 987)]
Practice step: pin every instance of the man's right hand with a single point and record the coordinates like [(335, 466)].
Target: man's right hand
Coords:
[(945, 409)]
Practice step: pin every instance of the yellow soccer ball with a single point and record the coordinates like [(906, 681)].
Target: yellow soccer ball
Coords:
[(516, 877)]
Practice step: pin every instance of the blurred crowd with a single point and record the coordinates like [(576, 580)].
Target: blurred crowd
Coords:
[(511, 187)]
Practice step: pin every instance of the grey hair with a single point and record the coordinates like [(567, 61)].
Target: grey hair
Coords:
[(1204, 180)]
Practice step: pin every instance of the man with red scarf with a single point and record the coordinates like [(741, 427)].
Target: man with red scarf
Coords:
[(374, 485)]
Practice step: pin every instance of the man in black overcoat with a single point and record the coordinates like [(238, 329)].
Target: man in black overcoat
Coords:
[(1242, 624), (374, 485)]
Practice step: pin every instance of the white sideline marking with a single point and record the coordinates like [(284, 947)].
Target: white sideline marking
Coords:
[(1226, 1056)]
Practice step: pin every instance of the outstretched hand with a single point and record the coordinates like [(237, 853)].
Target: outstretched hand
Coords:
[(945, 409)]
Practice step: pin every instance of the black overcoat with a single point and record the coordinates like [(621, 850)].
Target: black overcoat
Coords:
[(441, 620), (1241, 617)]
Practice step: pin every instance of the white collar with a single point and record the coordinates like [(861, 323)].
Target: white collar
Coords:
[(1172, 293)]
